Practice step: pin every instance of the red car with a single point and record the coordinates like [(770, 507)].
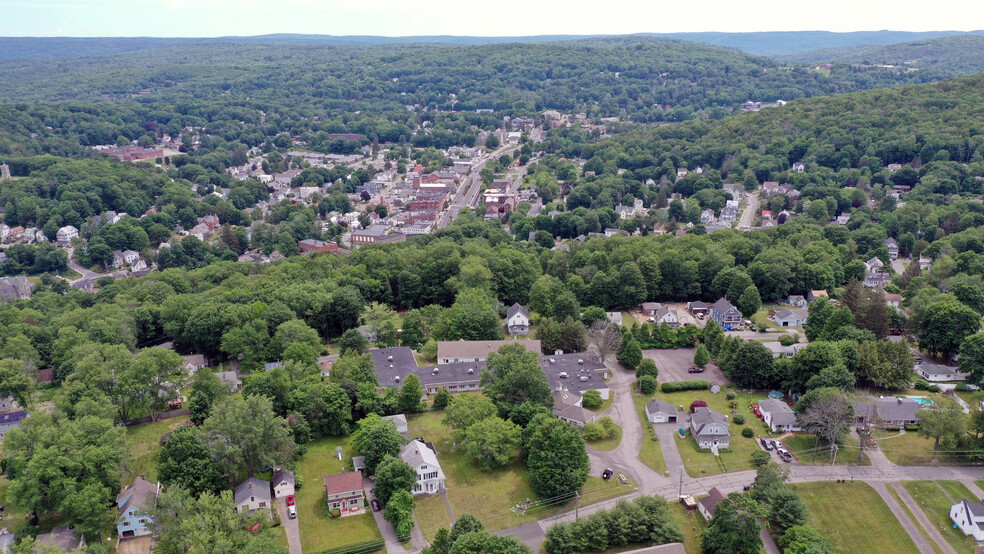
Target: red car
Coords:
[(290, 499)]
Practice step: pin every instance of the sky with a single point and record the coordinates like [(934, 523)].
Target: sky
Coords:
[(210, 18)]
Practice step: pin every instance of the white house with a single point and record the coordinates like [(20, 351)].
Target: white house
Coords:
[(893, 247), (282, 482), (67, 233), (518, 320), (932, 371), (667, 316), (969, 517), (790, 317), (423, 459), (253, 494), (658, 411), (706, 504), (874, 264), (778, 415), (710, 429)]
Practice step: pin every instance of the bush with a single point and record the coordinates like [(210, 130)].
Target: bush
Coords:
[(892, 428), (591, 399), (647, 367), (697, 404), (647, 384), (442, 399), (921, 384), (739, 419), (760, 457), (593, 431), (933, 388), (334, 513), (747, 432), (695, 384), (788, 340), (912, 427), (298, 480), (611, 428), (962, 387), (731, 395)]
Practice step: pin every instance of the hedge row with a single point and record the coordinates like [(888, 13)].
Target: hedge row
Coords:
[(695, 384)]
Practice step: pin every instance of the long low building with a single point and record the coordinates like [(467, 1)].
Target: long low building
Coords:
[(575, 373), (454, 351)]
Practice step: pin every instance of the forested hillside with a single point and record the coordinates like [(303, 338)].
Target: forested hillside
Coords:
[(952, 55)]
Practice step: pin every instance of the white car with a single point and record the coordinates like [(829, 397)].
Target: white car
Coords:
[(292, 512)]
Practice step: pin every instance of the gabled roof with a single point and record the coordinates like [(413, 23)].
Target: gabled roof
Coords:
[(343, 482), (282, 475), (517, 309), (722, 306), (713, 498), (787, 313), (141, 494), (660, 407), (417, 453), (252, 487), (706, 416), (479, 348), (781, 413)]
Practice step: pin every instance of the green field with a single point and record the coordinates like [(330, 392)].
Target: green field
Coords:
[(691, 523), (739, 458), (145, 443), (934, 499), (650, 453), (912, 518), (491, 495), (854, 518), (431, 509), (910, 449), (804, 447), (318, 531)]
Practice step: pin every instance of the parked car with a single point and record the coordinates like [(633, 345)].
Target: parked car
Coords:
[(290, 499), (607, 474), (292, 512), (375, 505), (766, 444), (695, 369)]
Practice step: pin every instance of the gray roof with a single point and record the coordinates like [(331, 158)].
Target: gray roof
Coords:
[(141, 494), (398, 361), (722, 306), (517, 309), (61, 537), (787, 313), (281, 475), (705, 416), (933, 368), (479, 348), (252, 487), (648, 306), (889, 409), (974, 508), (416, 453), (568, 364), (660, 407), (782, 414)]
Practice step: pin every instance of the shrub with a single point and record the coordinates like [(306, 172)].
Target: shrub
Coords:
[(611, 429), (591, 399), (962, 387), (892, 428), (731, 395), (921, 384), (442, 399), (334, 513), (760, 457), (912, 427), (694, 384), (647, 385), (298, 480), (933, 388), (593, 431), (739, 419), (747, 432), (788, 340), (697, 404), (647, 367)]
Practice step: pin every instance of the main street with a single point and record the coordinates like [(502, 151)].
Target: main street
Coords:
[(467, 194)]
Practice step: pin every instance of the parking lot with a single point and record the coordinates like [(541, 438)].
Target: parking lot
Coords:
[(673, 366)]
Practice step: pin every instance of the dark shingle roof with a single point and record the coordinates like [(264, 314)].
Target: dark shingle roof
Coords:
[(517, 309)]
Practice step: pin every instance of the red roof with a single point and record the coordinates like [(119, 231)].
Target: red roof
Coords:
[(343, 482)]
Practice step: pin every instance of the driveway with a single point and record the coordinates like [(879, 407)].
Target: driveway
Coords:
[(291, 526), (673, 366), (385, 527), (136, 545)]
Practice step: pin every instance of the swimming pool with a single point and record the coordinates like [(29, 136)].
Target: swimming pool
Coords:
[(922, 400)]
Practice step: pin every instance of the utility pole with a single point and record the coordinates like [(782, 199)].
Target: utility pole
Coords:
[(833, 461), (577, 504), (681, 484)]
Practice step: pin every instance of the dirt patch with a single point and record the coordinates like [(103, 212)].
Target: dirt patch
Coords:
[(673, 366)]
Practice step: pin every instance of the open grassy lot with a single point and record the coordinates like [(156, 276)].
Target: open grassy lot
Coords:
[(910, 449), (739, 458), (318, 531), (912, 518), (145, 443), (854, 518), (934, 499), (607, 444), (691, 523), (650, 453), (431, 509), (491, 495), (804, 446)]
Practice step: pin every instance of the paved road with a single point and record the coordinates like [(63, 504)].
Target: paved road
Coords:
[(291, 526), (748, 216), (467, 195)]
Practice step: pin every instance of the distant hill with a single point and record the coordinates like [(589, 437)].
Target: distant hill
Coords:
[(953, 55), (779, 43)]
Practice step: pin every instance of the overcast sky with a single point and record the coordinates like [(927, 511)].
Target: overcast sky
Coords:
[(208, 18)]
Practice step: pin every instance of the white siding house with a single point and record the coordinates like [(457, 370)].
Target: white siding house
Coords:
[(422, 458)]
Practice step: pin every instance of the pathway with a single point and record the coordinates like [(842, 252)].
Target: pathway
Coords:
[(934, 533), (769, 543), (444, 495), (291, 526), (910, 526)]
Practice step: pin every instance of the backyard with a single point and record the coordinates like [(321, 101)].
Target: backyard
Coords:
[(145, 443), (739, 457), (854, 518), (318, 531), (934, 499), (493, 496)]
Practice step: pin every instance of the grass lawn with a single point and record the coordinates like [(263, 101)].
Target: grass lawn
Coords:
[(491, 495), (607, 444), (14, 518), (761, 318), (739, 458), (912, 518), (911, 449), (691, 523), (145, 443), (935, 499), (802, 445), (854, 518), (318, 532), (431, 509), (650, 453)]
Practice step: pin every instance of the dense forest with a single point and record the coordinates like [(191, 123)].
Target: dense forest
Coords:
[(953, 55)]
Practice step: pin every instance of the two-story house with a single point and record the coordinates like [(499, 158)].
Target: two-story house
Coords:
[(710, 429), (66, 234), (133, 507), (725, 314), (15, 288), (969, 518), (423, 459), (344, 493), (282, 482), (518, 320), (667, 316), (253, 494)]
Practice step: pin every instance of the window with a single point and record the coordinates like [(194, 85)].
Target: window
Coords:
[(354, 501), (262, 504), (126, 524)]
